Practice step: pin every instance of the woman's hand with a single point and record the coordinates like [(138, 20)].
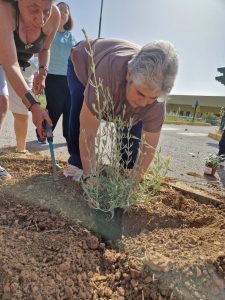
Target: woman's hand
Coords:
[(38, 116), (38, 83), (92, 180)]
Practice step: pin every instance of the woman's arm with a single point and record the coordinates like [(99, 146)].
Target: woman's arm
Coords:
[(9, 62), (44, 55), (147, 151), (8, 55), (88, 129)]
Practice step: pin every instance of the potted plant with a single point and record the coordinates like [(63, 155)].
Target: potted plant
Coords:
[(211, 163)]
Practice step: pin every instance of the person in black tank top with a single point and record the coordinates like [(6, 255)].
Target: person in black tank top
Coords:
[(27, 27), (26, 51)]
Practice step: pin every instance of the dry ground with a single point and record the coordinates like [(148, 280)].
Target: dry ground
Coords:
[(173, 247)]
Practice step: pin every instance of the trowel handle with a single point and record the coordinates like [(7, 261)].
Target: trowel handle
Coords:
[(47, 131)]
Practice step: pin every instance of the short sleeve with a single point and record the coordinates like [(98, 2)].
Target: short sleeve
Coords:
[(154, 117), (72, 39)]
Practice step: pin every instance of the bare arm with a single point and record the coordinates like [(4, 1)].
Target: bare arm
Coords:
[(88, 129), (8, 55), (44, 54), (147, 152)]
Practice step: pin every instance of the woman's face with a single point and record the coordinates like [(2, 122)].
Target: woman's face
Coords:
[(139, 96), (64, 11), (35, 13)]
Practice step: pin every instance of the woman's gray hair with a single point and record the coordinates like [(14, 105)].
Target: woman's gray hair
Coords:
[(155, 66)]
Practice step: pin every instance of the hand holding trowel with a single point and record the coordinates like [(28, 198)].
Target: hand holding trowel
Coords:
[(47, 130)]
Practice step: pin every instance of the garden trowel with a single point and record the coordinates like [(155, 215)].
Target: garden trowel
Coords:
[(49, 135)]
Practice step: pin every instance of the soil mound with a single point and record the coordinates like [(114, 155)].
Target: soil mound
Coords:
[(173, 246)]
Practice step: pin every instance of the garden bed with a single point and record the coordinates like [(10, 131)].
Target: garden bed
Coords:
[(173, 247)]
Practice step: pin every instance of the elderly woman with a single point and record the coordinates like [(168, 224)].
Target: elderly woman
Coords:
[(136, 78), (27, 27)]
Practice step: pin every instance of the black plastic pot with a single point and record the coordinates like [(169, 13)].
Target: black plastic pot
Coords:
[(110, 228)]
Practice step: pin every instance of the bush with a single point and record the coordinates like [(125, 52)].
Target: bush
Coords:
[(114, 185)]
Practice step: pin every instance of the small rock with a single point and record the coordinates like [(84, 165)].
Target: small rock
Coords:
[(134, 283), (148, 279), (92, 242), (216, 243), (68, 292), (197, 295), (157, 262), (108, 292), (121, 291), (126, 276), (64, 267), (69, 282), (99, 278), (198, 272), (30, 187), (117, 275)]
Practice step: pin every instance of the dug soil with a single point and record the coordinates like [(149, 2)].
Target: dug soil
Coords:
[(173, 247)]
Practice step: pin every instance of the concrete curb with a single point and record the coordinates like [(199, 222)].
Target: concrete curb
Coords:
[(215, 135), (187, 123), (198, 195)]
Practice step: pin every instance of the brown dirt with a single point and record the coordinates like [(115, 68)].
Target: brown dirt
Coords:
[(173, 247)]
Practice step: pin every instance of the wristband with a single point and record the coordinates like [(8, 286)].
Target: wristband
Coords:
[(44, 68), (29, 100), (84, 178)]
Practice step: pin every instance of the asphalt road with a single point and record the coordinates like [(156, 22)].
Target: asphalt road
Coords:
[(187, 146)]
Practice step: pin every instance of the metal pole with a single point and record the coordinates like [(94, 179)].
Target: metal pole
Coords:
[(195, 108), (100, 20)]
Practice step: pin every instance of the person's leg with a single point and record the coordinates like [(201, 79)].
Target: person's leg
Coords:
[(19, 110), (4, 97), (55, 95), (4, 104), (130, 143), (76, 92), (21, 128), (20, 114), (66, 111), (222, 144), (3, 110)]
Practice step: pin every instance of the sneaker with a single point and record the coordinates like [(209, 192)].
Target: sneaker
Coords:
[(74, 172), (222, 158), (4, 174), (41, 140)]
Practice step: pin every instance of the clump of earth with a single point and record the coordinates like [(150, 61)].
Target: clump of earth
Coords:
[(173, 247)]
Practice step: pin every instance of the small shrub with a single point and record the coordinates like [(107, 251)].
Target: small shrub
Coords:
[(115, 185)]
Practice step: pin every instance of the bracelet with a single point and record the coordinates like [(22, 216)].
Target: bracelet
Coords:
[(44, 68), (84, 178), (29, 100)]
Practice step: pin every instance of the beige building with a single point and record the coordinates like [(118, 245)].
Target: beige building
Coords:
[(184, 104)]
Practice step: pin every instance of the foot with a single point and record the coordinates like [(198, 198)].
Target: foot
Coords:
[(41, 140), (74, 172), (4, 174), (25, 151)]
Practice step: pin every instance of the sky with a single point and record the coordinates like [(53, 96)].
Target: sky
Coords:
[(195, 27)]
